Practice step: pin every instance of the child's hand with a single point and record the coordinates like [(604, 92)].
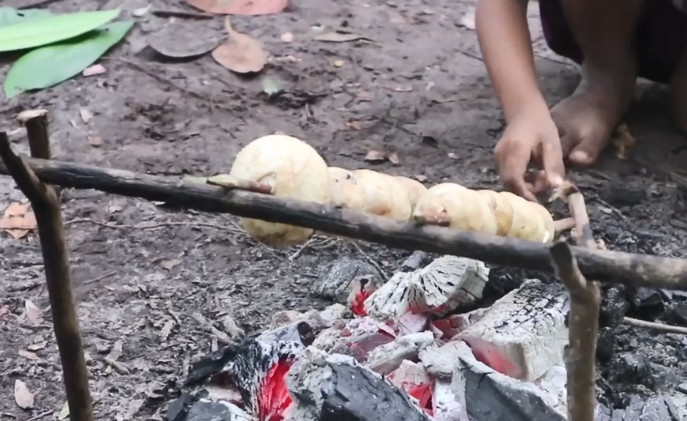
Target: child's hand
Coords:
[(531, 136)]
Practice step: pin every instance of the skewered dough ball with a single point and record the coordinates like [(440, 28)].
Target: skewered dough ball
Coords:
[(384, 195), (346, 191), (414, 188), (456, 206), (293, 169)]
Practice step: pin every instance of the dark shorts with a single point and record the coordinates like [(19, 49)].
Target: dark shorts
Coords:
[(660, 37)]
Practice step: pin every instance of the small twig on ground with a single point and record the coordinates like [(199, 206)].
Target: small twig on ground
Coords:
[(41, 415), (367, 257), (45, 203), (655, 326), (232, 183), (100, 278), (120, 368), (563, 224), (583, 319), (181, 14), (300, 250), (153, 226)]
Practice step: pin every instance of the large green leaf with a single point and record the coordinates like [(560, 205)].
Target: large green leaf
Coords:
[(10, 15), (36, 32), (47, 66)]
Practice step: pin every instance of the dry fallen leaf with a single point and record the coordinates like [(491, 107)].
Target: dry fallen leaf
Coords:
[(338, 63), (18, 220), (364, 96), (240, 7), (22, 396), (375, 156), (241, 53), (86, 115), (30, 355), (37, 346), (339, 37), (170, 264), (4, 311), (64, 412), (394, 159), (33, 314), (623, 141), (353, 124), (421, 178), (95, 140)]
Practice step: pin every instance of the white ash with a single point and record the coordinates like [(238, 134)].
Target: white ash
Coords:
[(527, 326), (206, 410), (448, 283), (318, 320), (444, 285), (388, 357), (442, 361), (412, 323), (307, 377), (446, 405), (409, 374)]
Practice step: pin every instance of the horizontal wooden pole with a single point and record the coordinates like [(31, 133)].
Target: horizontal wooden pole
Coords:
[(604, 265)]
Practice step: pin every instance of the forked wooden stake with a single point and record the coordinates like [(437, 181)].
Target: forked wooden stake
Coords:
[(46, 206), (585, 300)]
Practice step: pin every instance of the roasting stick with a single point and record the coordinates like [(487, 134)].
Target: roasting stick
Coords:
[(585, 300)]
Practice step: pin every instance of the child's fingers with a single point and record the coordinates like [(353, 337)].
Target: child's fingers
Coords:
[(552, 161)]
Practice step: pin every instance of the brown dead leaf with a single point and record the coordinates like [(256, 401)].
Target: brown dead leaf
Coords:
[(37, 346), (353, 124), (394, 159), (364, 96), (375, 156), (86, 115), (623, 141), (18, 220), (241, 53), (30, 355), (22, 395), (240, 7), (170, 264), (95, 140), (4, 311), (33, 314)]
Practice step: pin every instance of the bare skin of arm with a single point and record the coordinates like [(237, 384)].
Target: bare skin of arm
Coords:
[(531, 134)]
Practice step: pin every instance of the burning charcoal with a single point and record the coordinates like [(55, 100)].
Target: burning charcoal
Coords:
[(523, 334), (446, 405), (613, 307), (453, 325), (444, 285), (409, 374), (492, 396), (336, 388), (441, 362), (206, 410), (178, 409), (412, 323), (360, 290), (387, 358), (336, 284), (391, 300)]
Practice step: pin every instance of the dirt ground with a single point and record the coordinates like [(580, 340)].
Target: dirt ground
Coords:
[(419, 89)]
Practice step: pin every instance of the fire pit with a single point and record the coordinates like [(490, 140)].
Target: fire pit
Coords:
[(417, 347)]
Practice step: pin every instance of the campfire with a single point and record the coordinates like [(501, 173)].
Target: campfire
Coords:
[(416, 347)]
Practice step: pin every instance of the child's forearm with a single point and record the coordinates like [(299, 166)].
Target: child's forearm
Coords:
[(504, 38)]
